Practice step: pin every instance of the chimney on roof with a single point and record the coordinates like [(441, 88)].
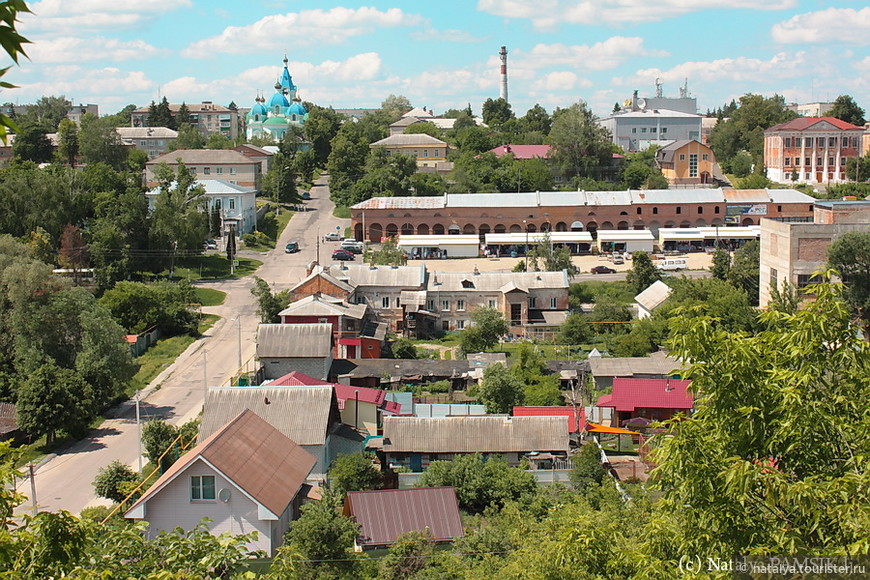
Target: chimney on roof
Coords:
[(476, 271), (668, 387), (372, 266)]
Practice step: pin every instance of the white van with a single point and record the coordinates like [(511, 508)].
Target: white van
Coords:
[(352, 246), (673, 264)]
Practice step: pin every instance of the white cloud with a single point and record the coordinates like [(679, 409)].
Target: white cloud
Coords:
[(781, 66), (308, 27), (88, 85), (557, 81), (452, 35), (834, 25), (863, 66), (550, 13), (79, 15), (72, 49), (599, 56)]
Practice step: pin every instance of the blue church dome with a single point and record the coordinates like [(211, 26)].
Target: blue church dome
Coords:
[(259, 109), (278, 99), (297, 108)]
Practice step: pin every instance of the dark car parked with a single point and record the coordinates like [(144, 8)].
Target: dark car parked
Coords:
[(342, 255), (291, 248), (602, 270)]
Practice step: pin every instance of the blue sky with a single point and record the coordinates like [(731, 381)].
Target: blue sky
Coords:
[(443, 54)]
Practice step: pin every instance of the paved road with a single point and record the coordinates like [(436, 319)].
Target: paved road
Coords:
[(64, 481)]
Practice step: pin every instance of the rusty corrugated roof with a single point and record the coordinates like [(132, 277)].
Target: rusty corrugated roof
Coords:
[(384, 515), (259, 459)]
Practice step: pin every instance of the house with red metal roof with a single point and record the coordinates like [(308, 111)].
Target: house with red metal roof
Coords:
[(811, 150), (654, 399), (245, 477), (576, 417), (383, 515)]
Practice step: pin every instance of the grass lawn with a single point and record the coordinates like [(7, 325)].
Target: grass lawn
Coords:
[(341, 211), (272, 228), (210, 297), (211, 267)]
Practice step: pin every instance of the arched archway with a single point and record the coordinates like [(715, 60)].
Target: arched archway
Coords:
[(546, 227), (607, 226), (423, 230), (531, 228), (407, 229), (392, 230), (483, 230), (701, 223), (469, 229), (747, 222), (685, 225), (499, 228), (717, 223), (453, 230), (577, 226), (561, 227), (437, 230), (623, 225), (639, 225), (516, 228), (358, 232), (376, 232), (670, 224)]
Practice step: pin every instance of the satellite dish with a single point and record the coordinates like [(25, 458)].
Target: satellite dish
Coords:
[(224, 495), (641, 103)]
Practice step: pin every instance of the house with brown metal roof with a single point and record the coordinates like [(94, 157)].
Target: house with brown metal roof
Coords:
[(245, 477), (412, 442), (383, 515), (307, 414)]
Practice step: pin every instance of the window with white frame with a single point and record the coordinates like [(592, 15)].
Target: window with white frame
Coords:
[(460, 325), (206, 170), (202, 488), (430, 305), (460, 305), (219, 170), (232, 203), (491, 303), (553, 302), (445, 305), (533, 302), (385, 302)]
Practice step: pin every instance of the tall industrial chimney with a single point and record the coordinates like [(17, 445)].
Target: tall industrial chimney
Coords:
[(502, 55)]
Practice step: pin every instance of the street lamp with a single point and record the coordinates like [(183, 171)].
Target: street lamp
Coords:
[(239, 328)]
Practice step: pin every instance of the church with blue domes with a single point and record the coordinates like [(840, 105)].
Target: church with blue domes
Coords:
[(284, 109)]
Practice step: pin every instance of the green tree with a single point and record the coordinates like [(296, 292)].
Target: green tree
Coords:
[(319, 544), (857, 169), (741, 164), (32, 144), (112, 481), (537, 119), (500, 390), (586, 469), (721, 264), (179, 218), (162, 439), (188, 137), (744, 130), (643, 272), (183, 117), (320, 129), (849, 255), (99, 142), (580, 146), (744, 269), (575, 329), (68, 141), (353, 472), (166, 305), (480, 483), (543, 256), (409, 555), (846, 109), (47, 112), (609, 316), (218, 141), (12, 43), (269, 304), (403, 349), (388, 254), (491, 324), (53, 399), (425, 128), (104, 360), (394, 106), (162, 115), (784, 477), (279, 184), (346, 164), (427, 185), (496, 112)]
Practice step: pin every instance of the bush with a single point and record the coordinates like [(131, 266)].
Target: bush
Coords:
[(110, 481), (439, 387)]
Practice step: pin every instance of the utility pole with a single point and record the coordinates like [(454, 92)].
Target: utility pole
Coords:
[(204, 373), (33, 488), (138, 433), (239, 327)]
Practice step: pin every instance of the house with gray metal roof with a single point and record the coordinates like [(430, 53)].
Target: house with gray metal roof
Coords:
[(225, 164), (429, 152), (245, 476), (307, 348), (236, 205), (656, 366), (411, 442)]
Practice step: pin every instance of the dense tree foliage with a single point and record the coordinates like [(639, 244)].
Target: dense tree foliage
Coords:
[(115, 481), (488, 326), (179, 220), (643, 272), (353, 472), (500, 390), (100, 143), (846, 109), (165, 305), (849, 255), (269, 303), (580, 145), (744, 130)]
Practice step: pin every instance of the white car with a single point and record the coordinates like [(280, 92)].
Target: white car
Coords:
[(333, 237)]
